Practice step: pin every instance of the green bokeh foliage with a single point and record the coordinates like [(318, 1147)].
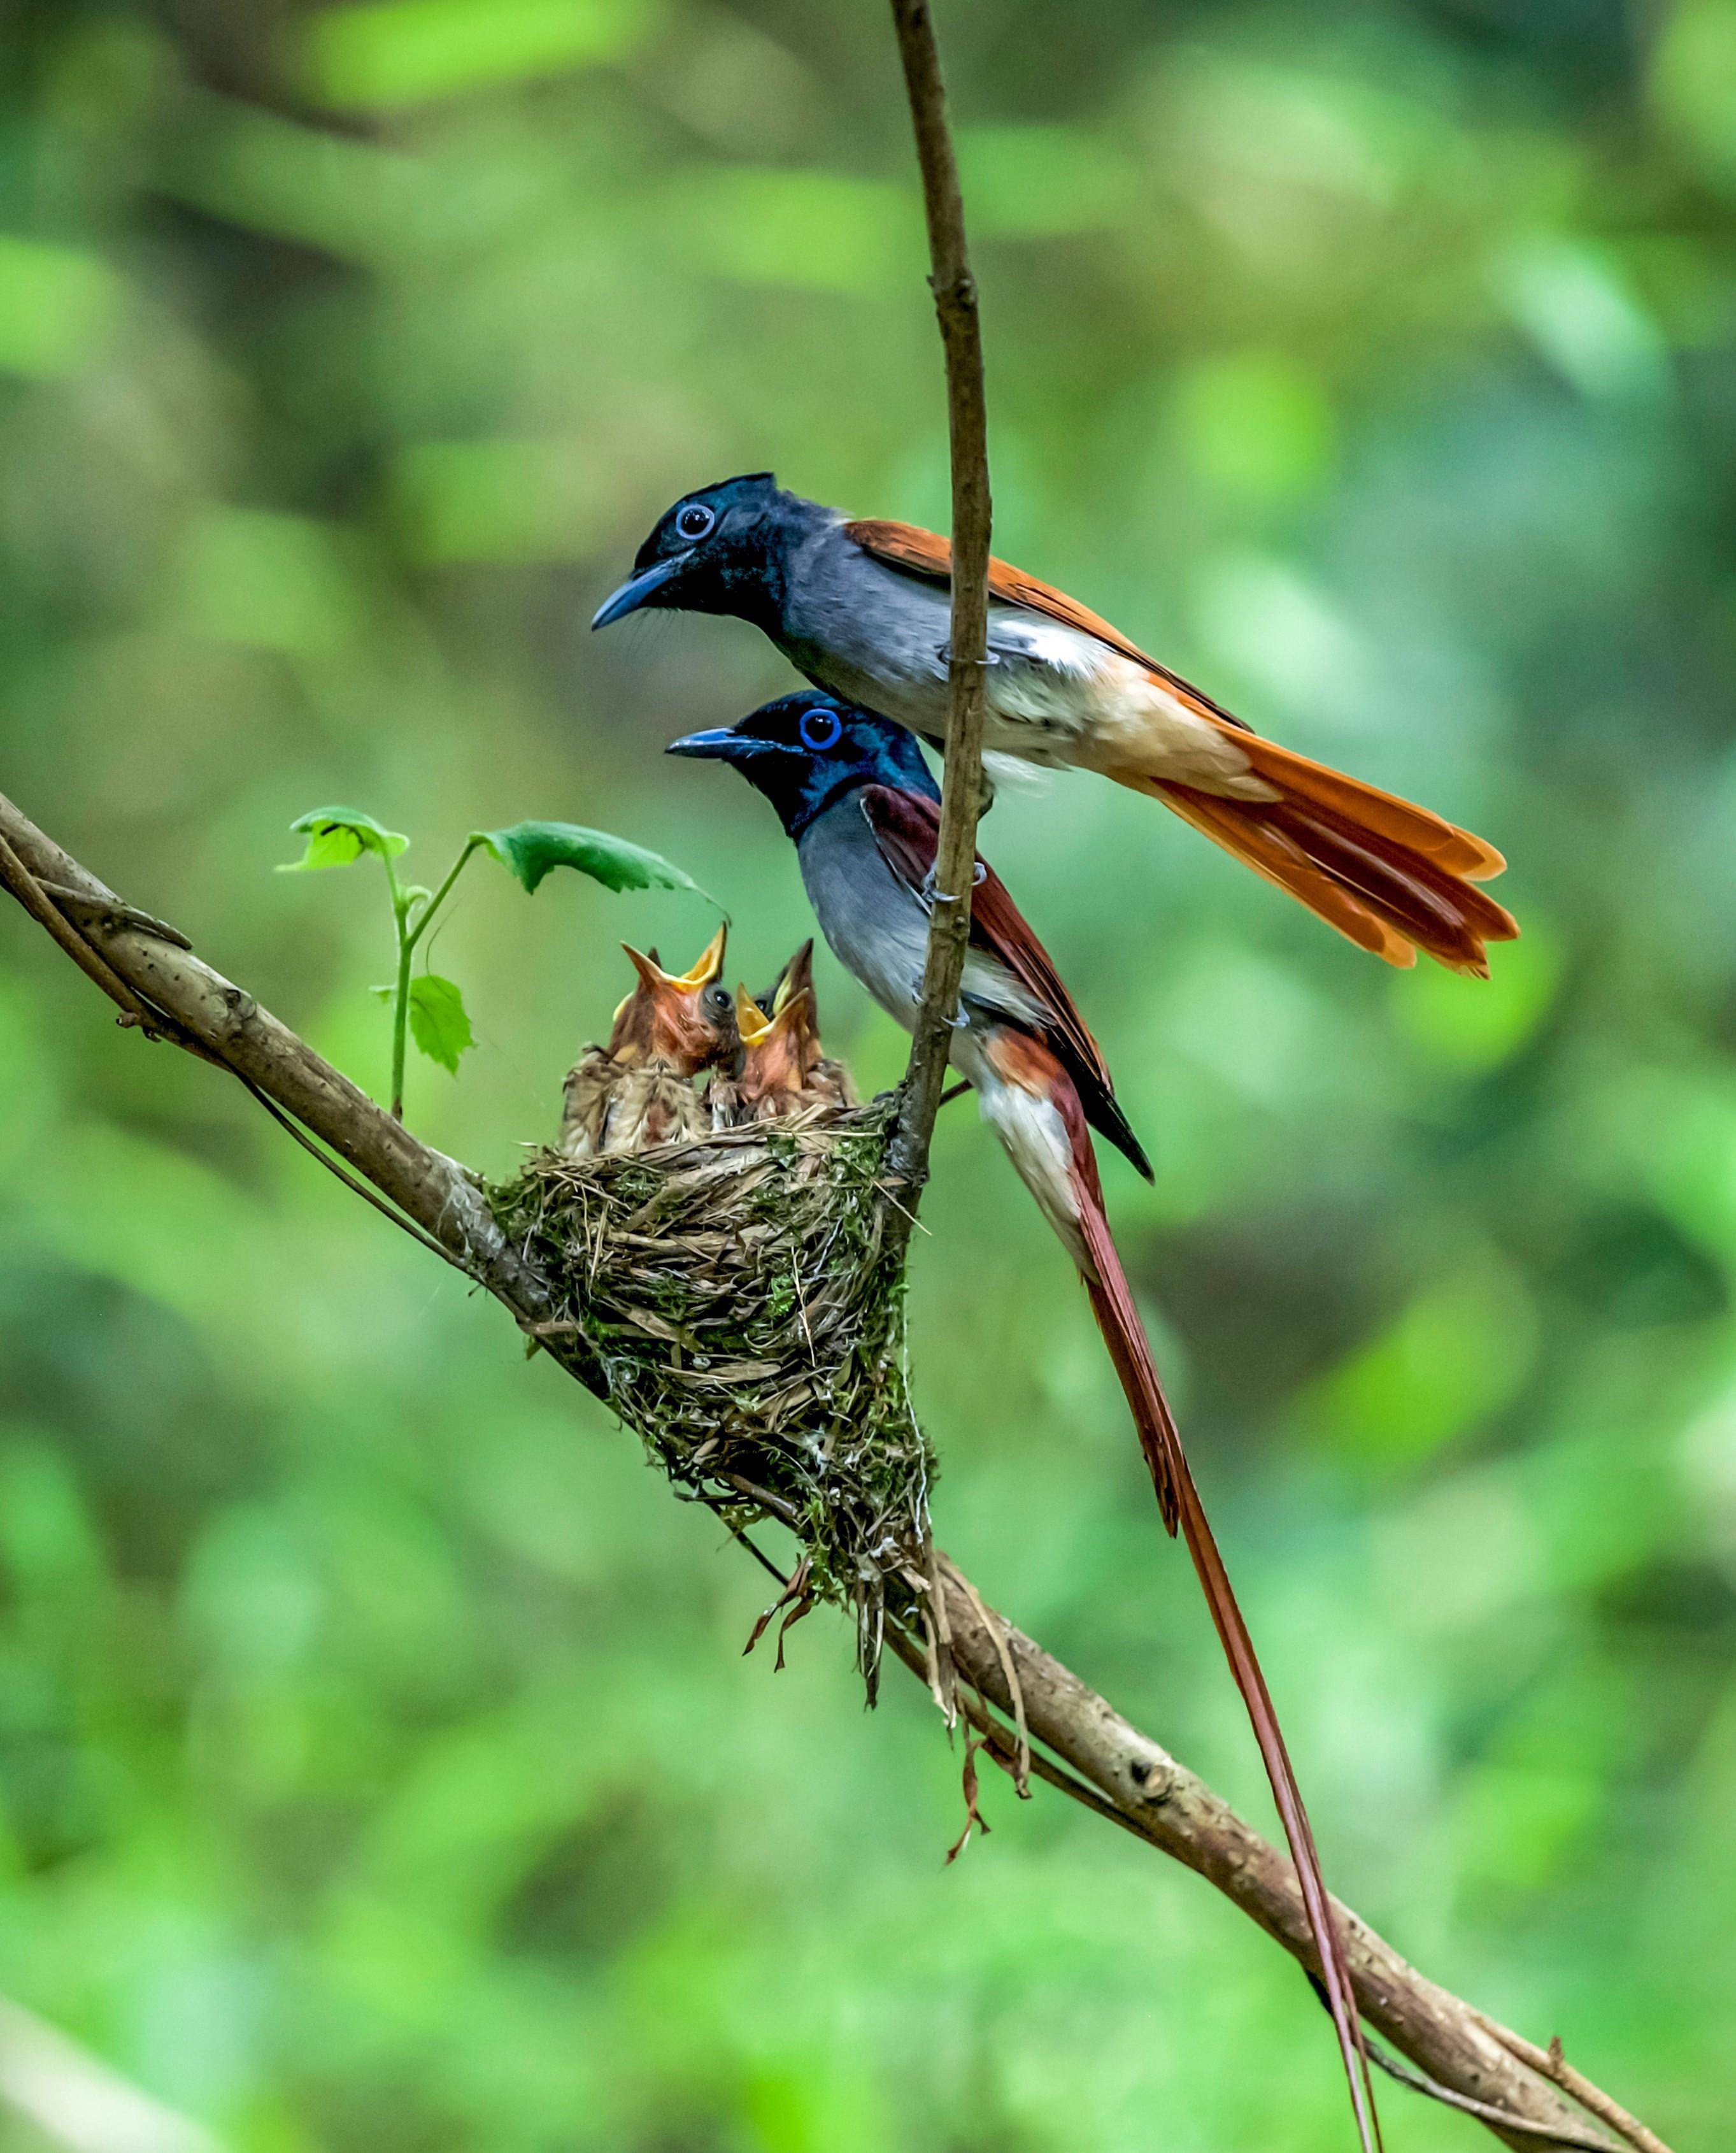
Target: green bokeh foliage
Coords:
[(377, 1766)]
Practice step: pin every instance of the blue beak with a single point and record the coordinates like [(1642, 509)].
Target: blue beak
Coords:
[(724, 744), (637, 591)]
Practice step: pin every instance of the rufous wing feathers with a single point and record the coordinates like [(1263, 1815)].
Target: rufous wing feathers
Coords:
[(1389, 875), (906, 828), (920, 552)]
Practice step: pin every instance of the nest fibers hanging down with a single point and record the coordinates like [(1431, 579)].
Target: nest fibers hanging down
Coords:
[(748, 1325)]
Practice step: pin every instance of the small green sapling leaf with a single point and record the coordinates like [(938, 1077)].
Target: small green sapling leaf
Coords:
[(439, 1023), (336, 836), (529, 850)]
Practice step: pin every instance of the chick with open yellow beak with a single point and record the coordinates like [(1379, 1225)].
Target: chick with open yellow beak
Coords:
[(639, 1090), (783, 1068), (823, 1078), (771, 1080)]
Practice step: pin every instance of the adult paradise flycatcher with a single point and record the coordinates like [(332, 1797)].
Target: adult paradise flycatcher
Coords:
[(854, 793)]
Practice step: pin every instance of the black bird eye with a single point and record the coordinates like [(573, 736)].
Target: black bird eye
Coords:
[(695, 520), (821, 730), (719, 1000)]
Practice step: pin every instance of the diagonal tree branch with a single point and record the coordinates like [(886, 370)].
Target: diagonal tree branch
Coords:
[(954, 303), (1084, 1746)]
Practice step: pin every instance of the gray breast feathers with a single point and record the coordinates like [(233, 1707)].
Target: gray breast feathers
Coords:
[(878, 928)]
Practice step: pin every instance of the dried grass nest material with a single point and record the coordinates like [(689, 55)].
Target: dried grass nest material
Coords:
[(749, 1323)]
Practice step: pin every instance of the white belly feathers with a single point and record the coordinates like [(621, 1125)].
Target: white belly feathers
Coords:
[(1057, 695)]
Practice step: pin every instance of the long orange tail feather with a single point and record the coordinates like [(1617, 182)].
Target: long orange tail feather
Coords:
[(1402, 823), (1389, 875), (1179, 1500)]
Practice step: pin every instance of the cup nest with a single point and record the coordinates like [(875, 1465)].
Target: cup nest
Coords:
[(737, 1295)]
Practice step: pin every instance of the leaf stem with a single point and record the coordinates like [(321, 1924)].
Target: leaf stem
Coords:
[(424, 918), (401, 991)]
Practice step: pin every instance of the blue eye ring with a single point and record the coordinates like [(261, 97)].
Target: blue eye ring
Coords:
[(703, 522), (821, 729)]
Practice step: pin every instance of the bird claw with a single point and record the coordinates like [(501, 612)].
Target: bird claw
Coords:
[(930, 894), (959, 1021)]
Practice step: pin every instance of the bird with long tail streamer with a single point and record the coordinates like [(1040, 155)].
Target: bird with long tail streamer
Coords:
[(855, 797)]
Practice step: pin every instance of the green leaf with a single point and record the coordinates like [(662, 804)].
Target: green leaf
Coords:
[(336, 836), (438, 1022), (532, 849)]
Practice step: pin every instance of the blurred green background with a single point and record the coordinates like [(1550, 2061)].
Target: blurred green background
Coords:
[(378, 1767)]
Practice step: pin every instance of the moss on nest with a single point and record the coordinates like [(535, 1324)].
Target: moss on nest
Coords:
[(749, 1323)]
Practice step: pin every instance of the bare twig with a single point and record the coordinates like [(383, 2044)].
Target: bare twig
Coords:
[(1541, 2134), (1556, 2067), (955, 302), (35, 898), (165, 989), (1079, 1743), (1020, 1766)]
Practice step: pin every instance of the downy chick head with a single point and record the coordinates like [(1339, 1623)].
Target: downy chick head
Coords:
[(824, 1077), (778, 1054), (796, 980), (686, 1020)]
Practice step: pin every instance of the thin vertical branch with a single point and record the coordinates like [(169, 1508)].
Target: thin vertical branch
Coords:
[(954, 303)]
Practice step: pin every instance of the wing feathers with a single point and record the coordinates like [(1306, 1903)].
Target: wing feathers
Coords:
[(922, 552), (1388, 874), (906, 828)]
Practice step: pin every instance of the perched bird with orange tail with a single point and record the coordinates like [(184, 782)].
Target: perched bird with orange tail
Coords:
[(638, 1090), (862, 609), (855, 794)]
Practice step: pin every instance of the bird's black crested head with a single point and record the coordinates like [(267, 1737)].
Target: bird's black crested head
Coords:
[(720, 550), (806, 750)]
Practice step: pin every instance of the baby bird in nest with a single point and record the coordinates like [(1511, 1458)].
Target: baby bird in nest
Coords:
[(638, 1090), (823, 1077), (783, 1067)]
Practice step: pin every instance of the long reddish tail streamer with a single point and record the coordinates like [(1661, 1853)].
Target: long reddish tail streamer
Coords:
[(1179, 1500)]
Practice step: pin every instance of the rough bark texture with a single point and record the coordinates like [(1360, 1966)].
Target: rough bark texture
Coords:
[(1092, 1752), (955, 302)]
